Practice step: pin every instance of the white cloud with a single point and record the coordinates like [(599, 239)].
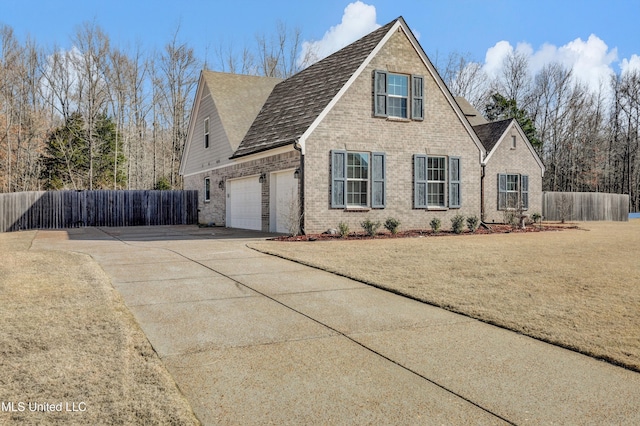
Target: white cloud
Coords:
[(358, 20), (630, 65), (591, 60), (495, 56)]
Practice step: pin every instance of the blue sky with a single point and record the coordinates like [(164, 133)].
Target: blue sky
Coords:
[(544, 29)]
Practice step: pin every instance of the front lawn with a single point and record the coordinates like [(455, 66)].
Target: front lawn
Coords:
[(578, 288), (70, 350)]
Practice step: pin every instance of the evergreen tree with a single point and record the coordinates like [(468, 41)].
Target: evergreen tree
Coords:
[(110, 158), (65, 164), (501, 108)]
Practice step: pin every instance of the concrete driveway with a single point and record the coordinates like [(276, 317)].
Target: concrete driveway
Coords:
[(254, 339)]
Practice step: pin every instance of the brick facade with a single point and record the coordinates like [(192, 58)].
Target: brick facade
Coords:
[(351, 126), (214, 211), (518, 160)]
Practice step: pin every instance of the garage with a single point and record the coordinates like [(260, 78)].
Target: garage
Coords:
[(283, 201), (244, 203)]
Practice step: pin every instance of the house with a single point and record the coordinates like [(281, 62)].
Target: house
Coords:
[(370, 132), (511, 169)]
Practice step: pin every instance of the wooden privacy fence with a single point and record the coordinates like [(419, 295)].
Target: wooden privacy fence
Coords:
[(585, 206), (69, 209)]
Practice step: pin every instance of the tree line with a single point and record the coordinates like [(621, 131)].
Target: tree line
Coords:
[(588, 139), (102, 116), (99, 116)]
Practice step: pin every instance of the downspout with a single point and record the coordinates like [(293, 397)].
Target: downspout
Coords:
[(298, 147), (482, 212)]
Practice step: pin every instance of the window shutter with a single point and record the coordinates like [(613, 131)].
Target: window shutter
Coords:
[(378, 171), (338, 178), (455, 194), (502, 192), (524, 185), (419, 181), (417, 97), (380, 94)]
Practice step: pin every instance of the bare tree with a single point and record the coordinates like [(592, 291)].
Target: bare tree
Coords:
[(466, 78), (92, 92), (176, 77), (277, 54)]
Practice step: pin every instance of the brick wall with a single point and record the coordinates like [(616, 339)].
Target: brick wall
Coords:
[(518, 160), (214, 211), (350, 125)]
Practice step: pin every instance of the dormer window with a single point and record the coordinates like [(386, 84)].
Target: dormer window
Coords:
[(392, 92)]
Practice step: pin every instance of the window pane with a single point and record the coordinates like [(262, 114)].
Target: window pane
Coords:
[(357, 166), (398, 85), (436, 194), (357, 193), (398, 107)]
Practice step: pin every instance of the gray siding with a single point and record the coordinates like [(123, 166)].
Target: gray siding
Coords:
[(201, 158)]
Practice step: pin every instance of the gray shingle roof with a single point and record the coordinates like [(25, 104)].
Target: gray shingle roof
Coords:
[(238, 99), (490, 133), (473, 115), (296, 102)]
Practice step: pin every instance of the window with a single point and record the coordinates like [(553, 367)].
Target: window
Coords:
[(397, 88), (206, 132), (513, 191), (436, 181), (513, 142), (391, 95), (357, 179), (207, 189), (431, 184)]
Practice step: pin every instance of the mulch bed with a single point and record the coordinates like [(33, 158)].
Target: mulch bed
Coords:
[(419, 233)]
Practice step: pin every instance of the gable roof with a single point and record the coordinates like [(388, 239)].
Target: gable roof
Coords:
[(491, 133), (296, 102), (238, 99)]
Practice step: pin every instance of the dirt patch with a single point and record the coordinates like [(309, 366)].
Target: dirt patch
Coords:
[(573, 288), (69, 343)]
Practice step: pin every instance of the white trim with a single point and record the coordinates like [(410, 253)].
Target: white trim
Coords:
[(514, 124), (251, 157)]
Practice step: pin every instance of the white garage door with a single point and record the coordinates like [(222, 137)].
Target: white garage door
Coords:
[(244, 203), (283, 202)]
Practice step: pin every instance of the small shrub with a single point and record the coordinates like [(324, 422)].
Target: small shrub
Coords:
[(370, 227), (457, 224), (472, 223), (392, 225), (510, 217), (435, 225), (536, 217), (343, 230)]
